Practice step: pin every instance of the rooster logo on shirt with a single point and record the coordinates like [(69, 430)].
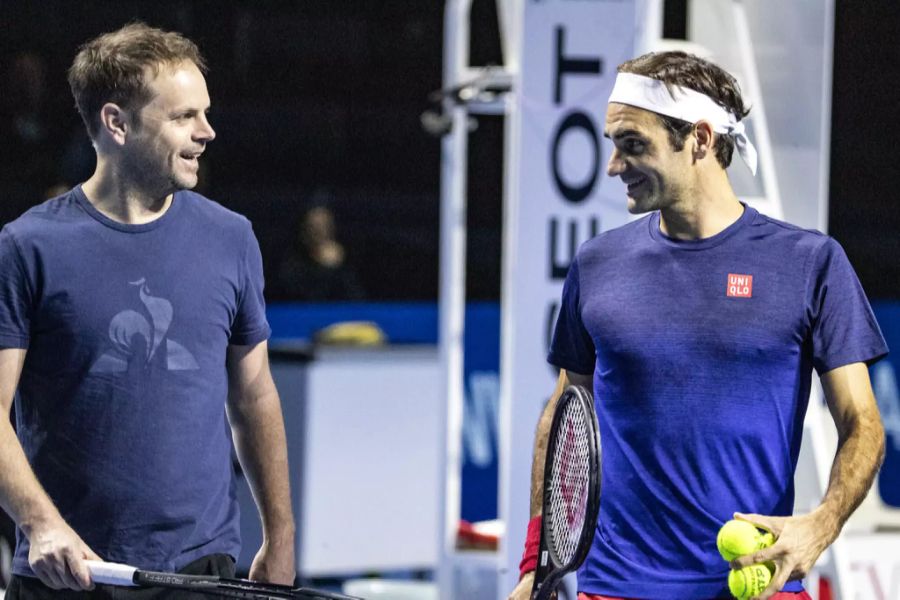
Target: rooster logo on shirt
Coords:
[(137, 338)]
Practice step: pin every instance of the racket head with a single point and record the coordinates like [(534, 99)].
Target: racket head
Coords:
[(572, 481)]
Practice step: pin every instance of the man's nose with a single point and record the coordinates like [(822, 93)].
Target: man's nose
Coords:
[(615, 166)]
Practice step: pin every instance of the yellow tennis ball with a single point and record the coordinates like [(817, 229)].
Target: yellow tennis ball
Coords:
[(749, 581), (739, 538)]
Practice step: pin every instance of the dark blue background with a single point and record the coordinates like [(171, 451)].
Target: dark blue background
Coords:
[(888, 315)]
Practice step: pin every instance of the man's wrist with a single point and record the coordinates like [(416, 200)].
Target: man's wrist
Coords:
[(38, 519), (532, 547), (828, 522), (280, 536)]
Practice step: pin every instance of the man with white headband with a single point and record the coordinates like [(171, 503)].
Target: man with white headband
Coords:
[(698, 327)]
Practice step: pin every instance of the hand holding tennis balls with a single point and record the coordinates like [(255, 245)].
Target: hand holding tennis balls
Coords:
[(750, 581), (739, 538)]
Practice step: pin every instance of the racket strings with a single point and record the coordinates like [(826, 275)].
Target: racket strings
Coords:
[(569, 483)]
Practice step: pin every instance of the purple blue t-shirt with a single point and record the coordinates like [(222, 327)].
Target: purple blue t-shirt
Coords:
[(702, 355), (121, 403)]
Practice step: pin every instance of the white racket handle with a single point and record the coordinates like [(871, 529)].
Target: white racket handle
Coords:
[(111, 573)]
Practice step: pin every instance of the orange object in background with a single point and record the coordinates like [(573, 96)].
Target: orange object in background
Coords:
[(482, 535)]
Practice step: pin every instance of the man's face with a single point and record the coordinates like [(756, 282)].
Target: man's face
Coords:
[(655, 174), (171, 130)]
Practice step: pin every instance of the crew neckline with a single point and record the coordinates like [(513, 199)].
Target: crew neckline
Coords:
[(90, 209), (702, 244)]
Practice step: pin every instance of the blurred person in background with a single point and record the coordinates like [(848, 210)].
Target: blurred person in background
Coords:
[(316, 268), (29, 150)]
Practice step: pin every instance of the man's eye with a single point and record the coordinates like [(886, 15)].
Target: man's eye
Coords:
[(632, 146)]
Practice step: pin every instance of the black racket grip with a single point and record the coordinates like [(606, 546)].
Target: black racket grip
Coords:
[(544, 567)]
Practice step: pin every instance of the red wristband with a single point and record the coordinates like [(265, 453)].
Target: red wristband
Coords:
[(532, 545)]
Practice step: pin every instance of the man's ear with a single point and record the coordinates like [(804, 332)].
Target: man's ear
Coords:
[(114, 122), (703, 138)]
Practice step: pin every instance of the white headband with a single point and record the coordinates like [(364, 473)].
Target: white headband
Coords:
[(653, 95)]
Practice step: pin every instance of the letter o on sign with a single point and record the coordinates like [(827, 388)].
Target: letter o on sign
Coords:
[(579, 191)]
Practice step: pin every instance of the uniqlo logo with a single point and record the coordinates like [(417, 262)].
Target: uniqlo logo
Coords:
[(739, 286)]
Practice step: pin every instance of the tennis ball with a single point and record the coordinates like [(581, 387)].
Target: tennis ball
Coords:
[(749, 581), (739, 538)]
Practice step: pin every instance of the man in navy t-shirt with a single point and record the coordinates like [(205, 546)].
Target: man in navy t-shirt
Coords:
[(698, 327), (131, 321)]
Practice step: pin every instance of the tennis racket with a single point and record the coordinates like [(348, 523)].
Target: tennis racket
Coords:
[(571, 490), (126, 575)]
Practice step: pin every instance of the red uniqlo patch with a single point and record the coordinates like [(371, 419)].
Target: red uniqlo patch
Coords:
[(739, 286)]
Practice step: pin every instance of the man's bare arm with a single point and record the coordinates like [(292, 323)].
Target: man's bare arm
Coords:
[(522, 591), (860, 451), (541, 437), (254, 411), (57, 553)]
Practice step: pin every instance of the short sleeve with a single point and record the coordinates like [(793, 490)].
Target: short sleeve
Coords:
[(572, 347), (844, 329), (250, 326), (15, 295)]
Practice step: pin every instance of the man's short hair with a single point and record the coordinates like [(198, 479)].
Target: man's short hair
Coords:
[(113, 66), (685, 70)]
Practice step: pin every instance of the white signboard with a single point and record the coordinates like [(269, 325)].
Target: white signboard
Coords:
[(558, 196), (875, 564)]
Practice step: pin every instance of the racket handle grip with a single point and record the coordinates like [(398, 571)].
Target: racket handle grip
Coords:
[(111, 573)]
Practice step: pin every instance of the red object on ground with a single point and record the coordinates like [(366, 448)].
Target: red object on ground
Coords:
[(825, 592), (778, 596), (470, 536)]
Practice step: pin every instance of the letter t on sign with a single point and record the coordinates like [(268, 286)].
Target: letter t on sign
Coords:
[(565, 64)]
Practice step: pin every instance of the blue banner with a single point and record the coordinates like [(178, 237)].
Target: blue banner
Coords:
[(884, 382)]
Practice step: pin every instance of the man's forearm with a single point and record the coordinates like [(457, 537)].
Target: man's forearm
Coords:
[(259, 438), (540, 455), (858, 458), (21, 495), (541, 438)]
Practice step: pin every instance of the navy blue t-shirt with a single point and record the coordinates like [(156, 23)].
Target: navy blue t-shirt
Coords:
[(121, 403), (702, 354)]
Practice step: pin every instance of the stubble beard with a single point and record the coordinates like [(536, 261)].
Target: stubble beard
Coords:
[(644, 204)]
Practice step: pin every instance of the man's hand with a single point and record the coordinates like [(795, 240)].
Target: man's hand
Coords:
[(274, 564), (57, 557), (799, 542), (523, 590)]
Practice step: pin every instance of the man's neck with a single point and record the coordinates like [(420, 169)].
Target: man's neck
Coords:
[(123, 200), (708, 208)]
